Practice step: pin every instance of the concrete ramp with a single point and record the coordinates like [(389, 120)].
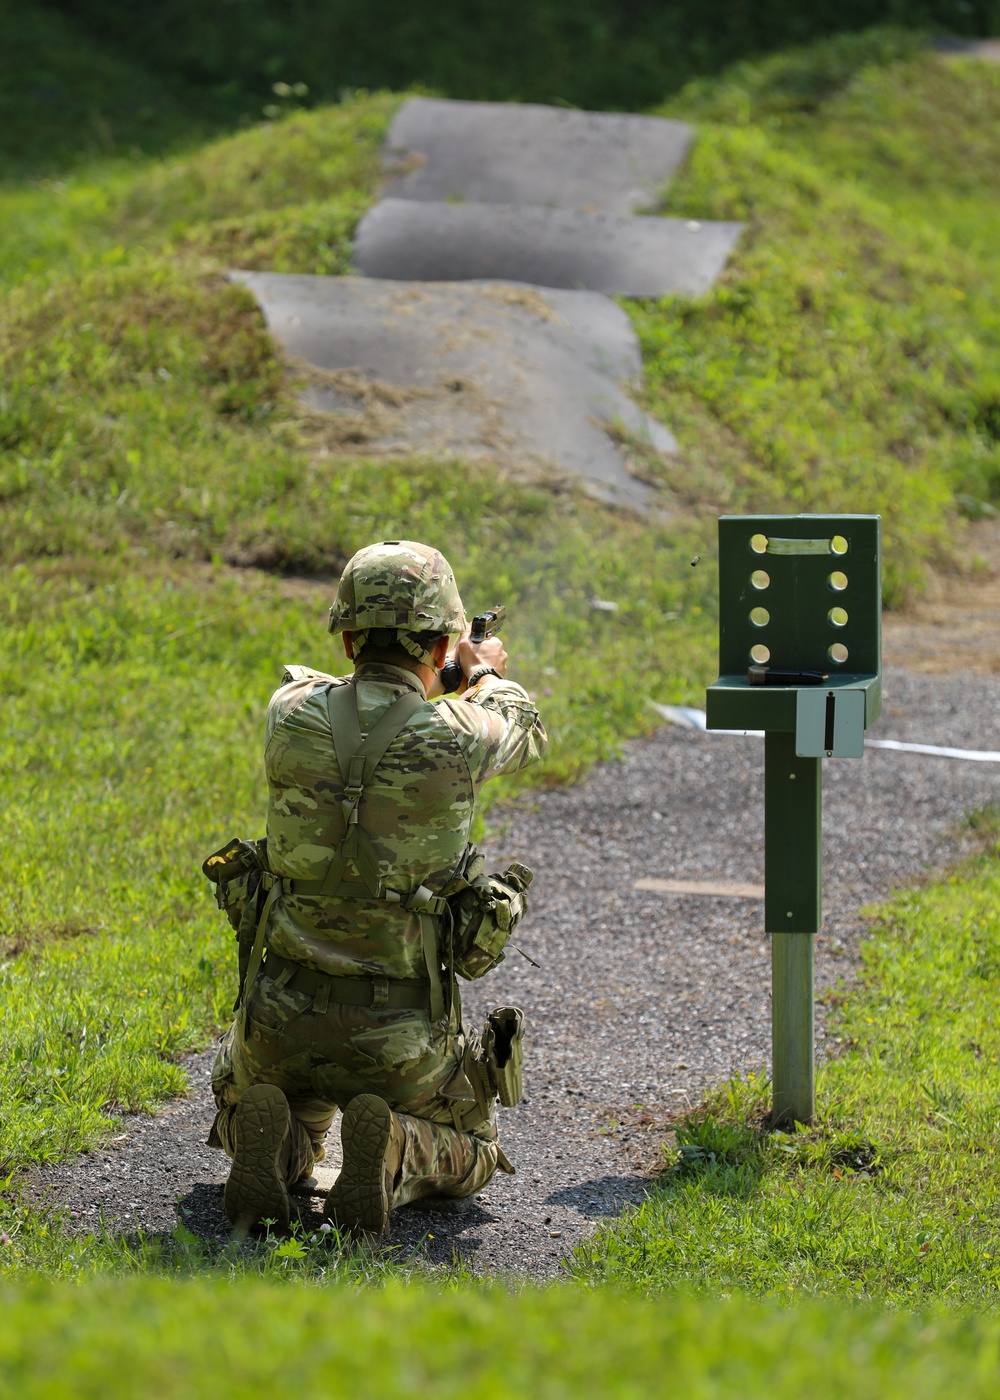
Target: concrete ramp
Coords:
[(987, 50), (530, 379), (501, 153), (611, 253), (537, 194), (481, 328)]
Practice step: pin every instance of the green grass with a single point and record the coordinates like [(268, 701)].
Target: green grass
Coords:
[(198, 1339), (40, 1243), (850, 359), (284, 194), (917, 130), (893, 1197)]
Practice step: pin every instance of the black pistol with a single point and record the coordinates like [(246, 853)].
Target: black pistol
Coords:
[(484, 625)]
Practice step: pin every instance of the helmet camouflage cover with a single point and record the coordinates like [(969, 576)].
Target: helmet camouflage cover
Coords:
[(400, 586)]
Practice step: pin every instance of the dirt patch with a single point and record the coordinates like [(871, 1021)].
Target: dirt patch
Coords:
[(525, 297), (955, 626), (347, 413), (15, 944)]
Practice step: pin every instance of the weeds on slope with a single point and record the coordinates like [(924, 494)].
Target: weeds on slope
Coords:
[(849, 358), (283, 194), (911, 126)]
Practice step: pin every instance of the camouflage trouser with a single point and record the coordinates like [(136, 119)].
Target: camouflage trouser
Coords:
[(321, 1059)]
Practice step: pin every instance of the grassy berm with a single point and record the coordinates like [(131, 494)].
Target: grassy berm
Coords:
[(171, 523)]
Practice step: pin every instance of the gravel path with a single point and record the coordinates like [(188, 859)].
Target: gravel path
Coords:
[(645, 999)]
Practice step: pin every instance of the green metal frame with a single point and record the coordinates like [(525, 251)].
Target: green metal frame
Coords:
[(806, 589)]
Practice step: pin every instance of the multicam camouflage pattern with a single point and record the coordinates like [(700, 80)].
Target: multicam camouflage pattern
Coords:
[(485, 915), (417, 812), (321, 1061), (398, 584)]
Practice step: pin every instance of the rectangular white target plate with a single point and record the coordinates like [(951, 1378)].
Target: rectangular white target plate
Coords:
[(815, 737)]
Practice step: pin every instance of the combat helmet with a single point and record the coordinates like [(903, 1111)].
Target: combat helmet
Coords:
[(392, 590)]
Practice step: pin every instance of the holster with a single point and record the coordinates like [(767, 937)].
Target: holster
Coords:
[(494, 1062), (494, 1066), (503, 1053), (236, 871)]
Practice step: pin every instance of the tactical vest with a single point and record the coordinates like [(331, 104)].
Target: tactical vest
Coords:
[(353, 868)]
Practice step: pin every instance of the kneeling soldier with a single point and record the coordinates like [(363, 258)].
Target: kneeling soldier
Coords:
[(365, 899)]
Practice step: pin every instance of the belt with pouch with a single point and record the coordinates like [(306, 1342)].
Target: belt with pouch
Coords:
[(394, 994)]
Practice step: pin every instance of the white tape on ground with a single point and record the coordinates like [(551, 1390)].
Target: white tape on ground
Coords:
[(976, 755), (689, 718), (682, 715)]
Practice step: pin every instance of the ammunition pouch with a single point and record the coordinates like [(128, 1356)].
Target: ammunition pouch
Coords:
[(485, 910)]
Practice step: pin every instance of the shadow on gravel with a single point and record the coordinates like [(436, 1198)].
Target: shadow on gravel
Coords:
[(201, 1211), (441, 1232), (438, 1231), (600, 1197)]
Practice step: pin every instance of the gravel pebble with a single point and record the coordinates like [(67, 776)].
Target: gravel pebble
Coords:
[(644, 1000)]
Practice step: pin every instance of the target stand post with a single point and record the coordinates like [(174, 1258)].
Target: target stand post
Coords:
[(800, 642)]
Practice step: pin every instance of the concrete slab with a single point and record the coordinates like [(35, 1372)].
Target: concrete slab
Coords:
[(988, 50), (530, 379), (499, 153), (611, 253), (713, 889)]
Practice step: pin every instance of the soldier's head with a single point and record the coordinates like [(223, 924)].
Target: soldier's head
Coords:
[(397, 602)]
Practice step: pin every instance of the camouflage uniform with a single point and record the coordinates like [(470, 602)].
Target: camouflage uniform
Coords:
[(295, 1032)]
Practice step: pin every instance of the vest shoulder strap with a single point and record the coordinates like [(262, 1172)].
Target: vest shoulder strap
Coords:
[(358, 757)]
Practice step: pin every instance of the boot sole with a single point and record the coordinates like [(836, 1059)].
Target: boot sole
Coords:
[(257, 1189), (359, 1199)]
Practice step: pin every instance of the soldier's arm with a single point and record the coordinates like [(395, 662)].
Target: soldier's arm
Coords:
[(499, 726)]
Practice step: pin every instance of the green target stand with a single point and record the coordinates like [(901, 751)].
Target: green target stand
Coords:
[(800, 657)]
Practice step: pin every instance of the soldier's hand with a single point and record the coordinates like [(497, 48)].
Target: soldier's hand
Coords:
[(489, 652)]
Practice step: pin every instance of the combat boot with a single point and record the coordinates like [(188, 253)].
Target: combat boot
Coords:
[(257, 1188), (374, 1141)]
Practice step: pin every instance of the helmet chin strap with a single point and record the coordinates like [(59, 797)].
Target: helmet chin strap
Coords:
[(416, 650), (403, 639)]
